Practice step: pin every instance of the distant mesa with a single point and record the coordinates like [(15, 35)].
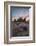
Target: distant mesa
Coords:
[(23, 18)]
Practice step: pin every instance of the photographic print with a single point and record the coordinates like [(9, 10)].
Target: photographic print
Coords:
[(19, 22)]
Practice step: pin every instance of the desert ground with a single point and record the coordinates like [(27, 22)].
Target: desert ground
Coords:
[(20, 29)]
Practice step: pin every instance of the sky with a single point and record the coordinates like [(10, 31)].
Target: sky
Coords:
[(19, 12)]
